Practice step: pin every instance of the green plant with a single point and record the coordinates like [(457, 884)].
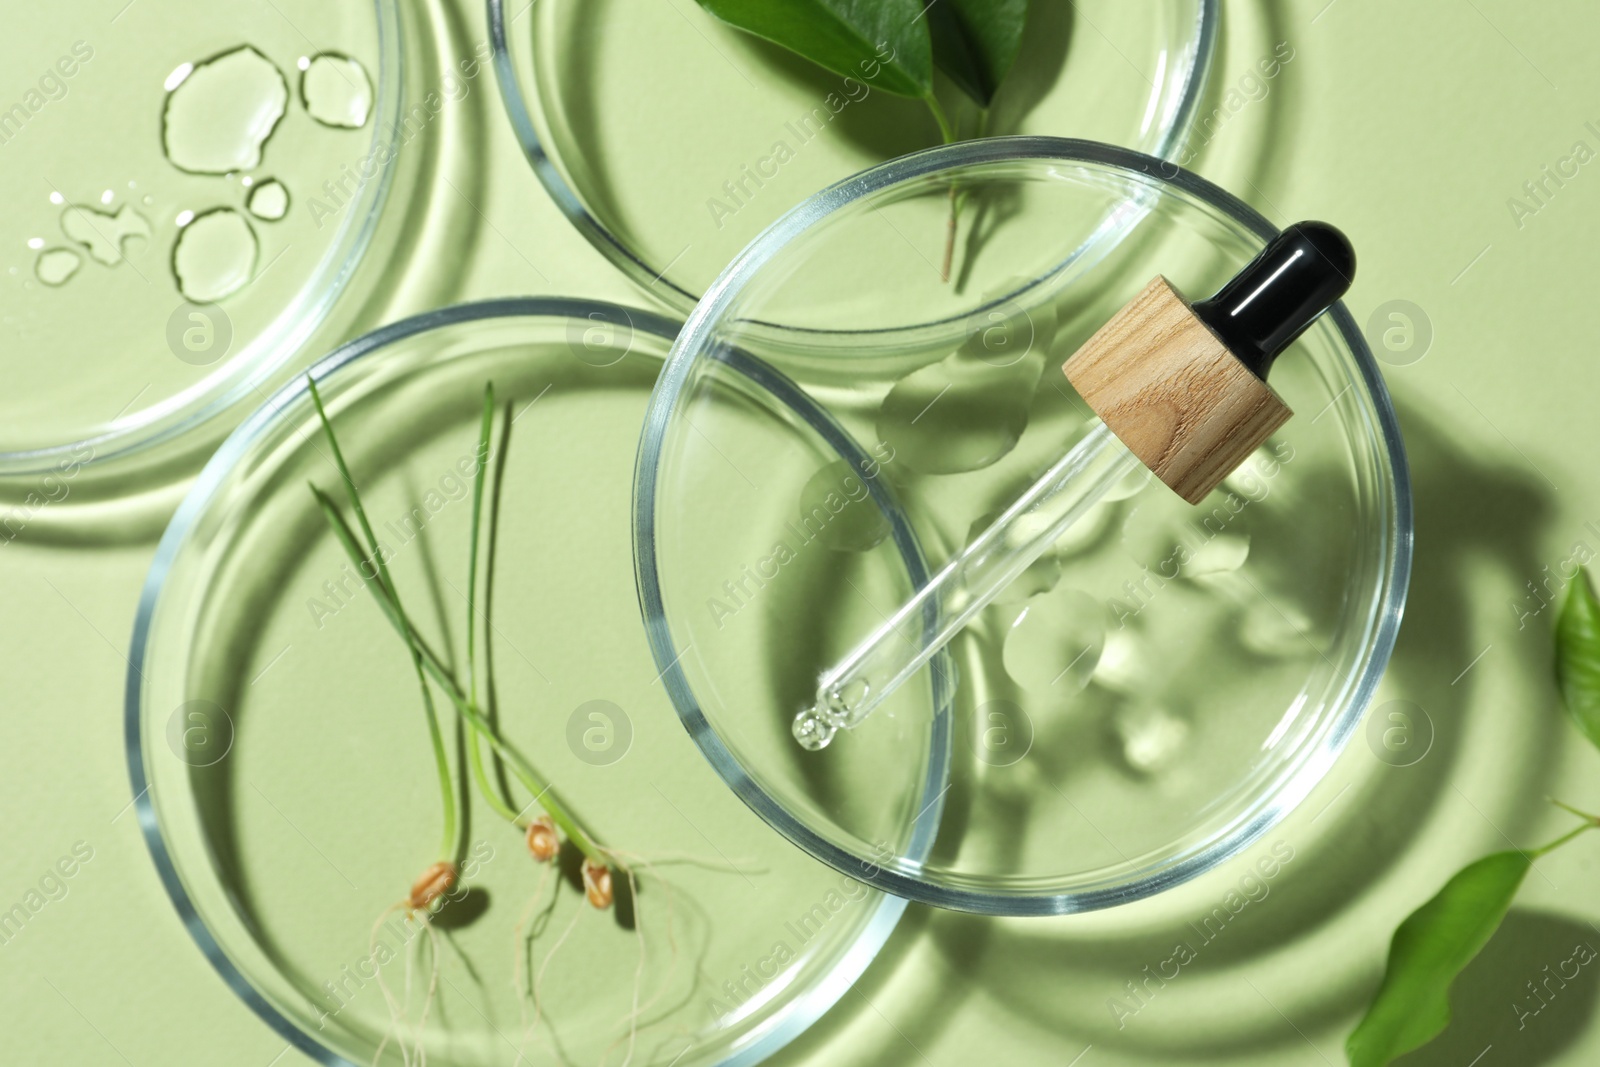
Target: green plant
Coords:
[(374, 570), (543, 833), (897, 45), (1437, 941)]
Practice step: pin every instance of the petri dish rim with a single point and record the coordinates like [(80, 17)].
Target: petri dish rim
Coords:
[(803, 1010), (655, 282), (240, 376), (1287, 790)]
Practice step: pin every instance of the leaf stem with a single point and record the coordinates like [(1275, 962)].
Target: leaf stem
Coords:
[(451, 844), (1564, 806), (1590, 822), (947, 129)]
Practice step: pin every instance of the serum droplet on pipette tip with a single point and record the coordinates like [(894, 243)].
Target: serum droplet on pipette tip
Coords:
[(811, 731)]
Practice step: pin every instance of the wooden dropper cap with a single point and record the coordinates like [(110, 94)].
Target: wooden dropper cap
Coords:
[(1185, 387)]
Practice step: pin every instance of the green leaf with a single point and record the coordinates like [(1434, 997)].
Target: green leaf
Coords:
[(883, 43), (976, 41), (1433, 945), (1578, 656)]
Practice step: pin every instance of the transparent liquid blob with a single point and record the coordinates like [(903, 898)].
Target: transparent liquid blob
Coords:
[(269, 200), (55, 265), (1054, 644), (220, 113), (103, 234), (836, 508), (1151, 737), (215, 255), (336, 90), (968, 410)]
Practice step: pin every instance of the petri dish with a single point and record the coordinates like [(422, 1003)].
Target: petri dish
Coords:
[(281, 767), (192, 194), (755, 130), (1143, 702)]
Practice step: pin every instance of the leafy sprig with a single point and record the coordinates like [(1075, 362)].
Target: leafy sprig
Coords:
[(897, 45), (1437, 941)]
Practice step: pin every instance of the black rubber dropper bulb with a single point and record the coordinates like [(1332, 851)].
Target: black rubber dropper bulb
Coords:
[(1263, 308)]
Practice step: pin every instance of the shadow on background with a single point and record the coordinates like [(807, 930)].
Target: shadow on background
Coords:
[(1492, 1003)]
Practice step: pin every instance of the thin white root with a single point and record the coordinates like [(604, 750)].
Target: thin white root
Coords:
[(640, 1010), (521, 947), (688, 859), (410, 957), (538, 979), (416, 1055), (396, 1012), (420, 1044)]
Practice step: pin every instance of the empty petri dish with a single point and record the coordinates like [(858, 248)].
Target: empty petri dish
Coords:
[(753, 130), (280, 760), (182, 222), (1152, 694)]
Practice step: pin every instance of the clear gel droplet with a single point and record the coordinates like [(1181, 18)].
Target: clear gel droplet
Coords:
[(1223, 554), (269, 200), (969, 409), (1152, 738), (1275, 630), (102, 234), (1124, 665), (218, 117), (837, 508), (215, 255), (1055, 642), (55, 265), (336, 91)]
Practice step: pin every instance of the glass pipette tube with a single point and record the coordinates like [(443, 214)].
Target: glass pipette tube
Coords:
[(904, 643)]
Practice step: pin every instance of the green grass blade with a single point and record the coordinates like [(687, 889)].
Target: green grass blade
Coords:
[(452, 826), (475, 737), (530, 778)]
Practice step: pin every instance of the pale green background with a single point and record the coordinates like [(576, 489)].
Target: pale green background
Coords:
[(1410, 125)]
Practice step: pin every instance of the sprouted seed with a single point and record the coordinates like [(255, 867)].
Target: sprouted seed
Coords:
[(434, 883), (543, 842), (597, 883), (544, 822)]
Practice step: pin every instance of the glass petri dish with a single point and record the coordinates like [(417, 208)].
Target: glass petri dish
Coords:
[(747, 145), (281, 770), (191, 195), (1144, 701)]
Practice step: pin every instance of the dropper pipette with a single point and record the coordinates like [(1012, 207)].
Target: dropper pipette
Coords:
[(1180, 388)]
